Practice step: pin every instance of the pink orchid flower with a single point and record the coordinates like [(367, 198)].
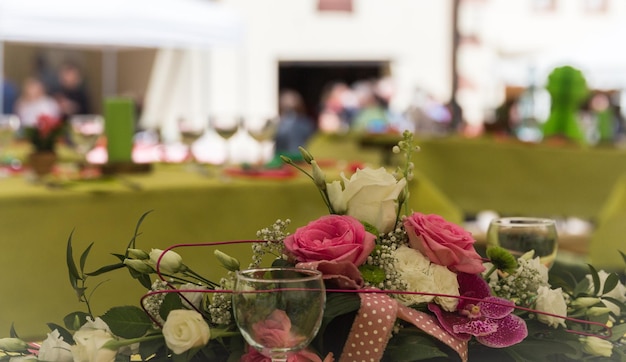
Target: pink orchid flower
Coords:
[(492, 324)]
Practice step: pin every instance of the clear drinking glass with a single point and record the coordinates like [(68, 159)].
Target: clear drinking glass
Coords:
[(278, 310), (85, 131), (522, 234)]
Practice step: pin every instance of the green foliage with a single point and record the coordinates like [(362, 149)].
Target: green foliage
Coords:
[(411, 344), (127, 321), (372, 274), (170, 302)]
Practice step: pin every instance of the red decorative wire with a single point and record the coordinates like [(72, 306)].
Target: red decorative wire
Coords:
[(608, 330)]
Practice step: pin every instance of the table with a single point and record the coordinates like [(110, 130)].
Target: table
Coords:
[(609, 236), (188, 207), (516, 178)]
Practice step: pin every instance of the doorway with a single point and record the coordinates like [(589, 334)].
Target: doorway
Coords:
[(311, 78)]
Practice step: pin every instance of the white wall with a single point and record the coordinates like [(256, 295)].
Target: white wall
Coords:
[(414, 35)]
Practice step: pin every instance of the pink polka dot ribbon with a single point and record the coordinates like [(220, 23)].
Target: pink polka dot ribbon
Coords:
[(374, 322), (371, 329)]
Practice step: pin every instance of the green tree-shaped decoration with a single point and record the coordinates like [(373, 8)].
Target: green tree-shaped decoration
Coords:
[(568, 88)]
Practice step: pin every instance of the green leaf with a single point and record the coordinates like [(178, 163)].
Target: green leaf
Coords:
[(338, 315), (623, 255), (372, 274), (71, 265), (106, 269), (13, 333), (127, 321), (370, 228), (582, 288), (83, 257), (540, 349), (411, 344), (131, 244), (281, 263), (64, 333), (596, 279), (75, 320), (151, 347), (610, 283), (171, 302)]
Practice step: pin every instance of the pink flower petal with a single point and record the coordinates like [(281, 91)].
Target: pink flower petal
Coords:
[(511, 330), (476, 327), (496, 311)]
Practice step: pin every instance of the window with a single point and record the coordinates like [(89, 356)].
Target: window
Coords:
[(334, 5)]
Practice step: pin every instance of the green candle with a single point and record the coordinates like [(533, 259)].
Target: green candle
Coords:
[(119, 128)]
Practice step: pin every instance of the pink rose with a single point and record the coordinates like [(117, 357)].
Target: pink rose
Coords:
[(444, 243), (275, 331), (331, 238)]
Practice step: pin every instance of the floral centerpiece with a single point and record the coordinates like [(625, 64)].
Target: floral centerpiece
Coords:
[(43, 137), (45, 133), (401, 286)]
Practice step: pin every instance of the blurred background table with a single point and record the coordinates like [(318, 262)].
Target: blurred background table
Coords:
[(188, 207)]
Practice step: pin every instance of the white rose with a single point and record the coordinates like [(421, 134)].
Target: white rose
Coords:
[(171, 262), (88, 347), (597, 346), (618, 293), (185, 329), (54, 348), (195, 298), (420, 275), (370, 195), (551, 301)]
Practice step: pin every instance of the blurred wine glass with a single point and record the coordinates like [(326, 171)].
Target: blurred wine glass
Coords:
[(519, 235), (9, 125), (264, 132), (226, 127), (85, 129), (190, 133)]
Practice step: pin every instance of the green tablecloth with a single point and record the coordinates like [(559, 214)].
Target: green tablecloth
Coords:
[(36, 221), (610, 233), (523, 179)]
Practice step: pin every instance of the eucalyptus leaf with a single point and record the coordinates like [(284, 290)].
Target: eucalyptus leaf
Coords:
[(127, 321)]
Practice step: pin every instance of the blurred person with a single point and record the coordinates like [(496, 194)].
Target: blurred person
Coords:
[(295, 127), (338, 107), (10, 94), (372, 114), (35, 102), (385, 90), (71, 91)]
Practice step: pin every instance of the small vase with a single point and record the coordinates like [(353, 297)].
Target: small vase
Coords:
[(42, 162)]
